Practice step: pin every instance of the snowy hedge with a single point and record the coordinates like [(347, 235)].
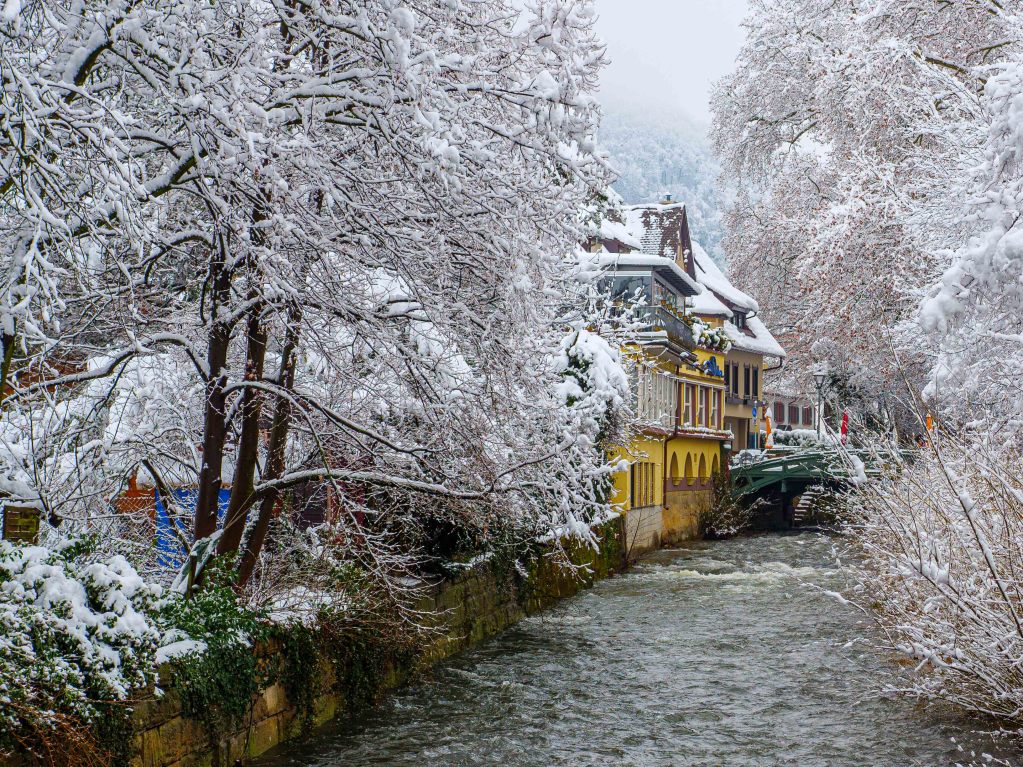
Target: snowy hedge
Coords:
[(79, 635), (796, 437)]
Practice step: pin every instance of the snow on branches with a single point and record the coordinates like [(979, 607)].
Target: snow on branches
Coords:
[(974, 309), (938, 547), (260, 247), (850, 129)]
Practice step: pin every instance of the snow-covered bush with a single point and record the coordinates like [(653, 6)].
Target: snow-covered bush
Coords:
[(715, 339), (594, 387), (796, 438), (941, 541), (78, 635), (595, 392)]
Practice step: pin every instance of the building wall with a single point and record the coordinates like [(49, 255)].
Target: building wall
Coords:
[(752, 361), (786, 400), (693, 460), (668, 479), (644, 530), (681, 514), (682, 488)]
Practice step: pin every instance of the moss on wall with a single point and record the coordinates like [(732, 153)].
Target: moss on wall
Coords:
[(307, 678)]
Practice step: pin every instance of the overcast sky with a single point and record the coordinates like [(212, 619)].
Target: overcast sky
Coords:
[(667, 53)]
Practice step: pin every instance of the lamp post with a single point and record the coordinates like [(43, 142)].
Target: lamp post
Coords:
[(820, 374)]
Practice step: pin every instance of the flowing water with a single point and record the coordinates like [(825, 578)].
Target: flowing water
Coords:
[(726, 654)]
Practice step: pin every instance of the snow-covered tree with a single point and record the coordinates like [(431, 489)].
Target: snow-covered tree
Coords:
[(850, 128), (974, 309), (338, 233)]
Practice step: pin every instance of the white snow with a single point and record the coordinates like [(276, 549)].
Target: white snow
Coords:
[(709, 274), (615, 230), (761, 342), (10, 11), (179, 649), (759, 339), (709, 305)]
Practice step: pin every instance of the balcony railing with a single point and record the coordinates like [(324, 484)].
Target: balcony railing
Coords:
[(659, 318)]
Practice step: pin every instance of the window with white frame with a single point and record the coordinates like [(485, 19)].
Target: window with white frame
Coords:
[(657, 397)]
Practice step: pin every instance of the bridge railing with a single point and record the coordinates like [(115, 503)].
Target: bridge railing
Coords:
[(838, 465)]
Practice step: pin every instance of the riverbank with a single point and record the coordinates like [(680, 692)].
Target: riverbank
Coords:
[(729, 653), (320, 681)]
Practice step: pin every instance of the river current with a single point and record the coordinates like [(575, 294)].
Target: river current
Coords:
[(720, 653)]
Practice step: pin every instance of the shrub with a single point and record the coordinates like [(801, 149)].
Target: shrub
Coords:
[(78, 637), (728, 516), (941, 544)]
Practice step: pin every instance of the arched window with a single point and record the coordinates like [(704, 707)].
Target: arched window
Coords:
[(703, 467), (715, 466), (674, 467), (689, 469)]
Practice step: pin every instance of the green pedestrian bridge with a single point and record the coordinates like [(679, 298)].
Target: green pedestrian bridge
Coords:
[(781, 480)]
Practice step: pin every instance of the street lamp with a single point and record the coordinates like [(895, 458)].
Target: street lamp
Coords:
[(819, 376)]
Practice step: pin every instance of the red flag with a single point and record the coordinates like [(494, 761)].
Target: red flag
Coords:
[(845, 425)]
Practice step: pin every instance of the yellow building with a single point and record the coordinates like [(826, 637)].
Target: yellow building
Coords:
[(753, 351), (680, 441)]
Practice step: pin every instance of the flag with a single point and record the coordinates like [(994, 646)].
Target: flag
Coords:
[(845, 425), (769, 440)]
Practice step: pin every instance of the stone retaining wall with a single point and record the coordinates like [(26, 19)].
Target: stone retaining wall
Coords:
[(478, 604), (649, 528)]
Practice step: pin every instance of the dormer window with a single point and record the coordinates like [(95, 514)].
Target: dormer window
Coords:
[(739, 319)]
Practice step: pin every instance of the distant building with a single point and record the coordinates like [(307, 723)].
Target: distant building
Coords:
[(754, 350), (791, 411), (701, 337)]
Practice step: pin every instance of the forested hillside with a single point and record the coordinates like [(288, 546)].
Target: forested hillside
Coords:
[(664, 152)]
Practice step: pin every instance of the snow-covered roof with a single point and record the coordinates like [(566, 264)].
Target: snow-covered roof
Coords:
[(642, 259), (755, 338), (657, 226), (615, 230), (708, 304), (709, 274)]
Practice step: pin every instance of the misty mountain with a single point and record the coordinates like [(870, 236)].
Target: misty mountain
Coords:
[(657, 153)]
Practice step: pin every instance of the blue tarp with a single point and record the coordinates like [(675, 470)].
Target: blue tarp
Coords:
[(170, 553)]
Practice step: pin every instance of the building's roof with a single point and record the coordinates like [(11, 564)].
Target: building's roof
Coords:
[(615, 230), (686, 284), (658, 227), (663, 234), (710, 305), (755, 337), (708, 273)]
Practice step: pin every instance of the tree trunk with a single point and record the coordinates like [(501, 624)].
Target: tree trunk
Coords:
[(8, 341), (215, 410), (275, 454), (243, 486)]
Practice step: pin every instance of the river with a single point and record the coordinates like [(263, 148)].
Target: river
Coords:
[(718, 653)]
